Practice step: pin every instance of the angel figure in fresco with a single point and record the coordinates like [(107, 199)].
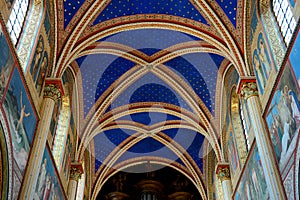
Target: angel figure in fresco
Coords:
[(22, 113)]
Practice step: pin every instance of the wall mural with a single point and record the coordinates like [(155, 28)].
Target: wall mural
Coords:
[(254, 21), (294, 57), (261, 63), (261, 58), (233, 154), (48, 186), (21, 118), (283, 117), (6, 62), (252, 184), (295, 5), (18, 111), (22, 122), (4, 166), (39, 65)]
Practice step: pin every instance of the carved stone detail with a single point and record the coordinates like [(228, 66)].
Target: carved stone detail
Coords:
[(52, 91), (249, 89), (76, 172), (223, 172)]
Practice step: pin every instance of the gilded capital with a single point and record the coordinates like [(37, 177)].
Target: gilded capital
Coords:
[(52, 91), (223, 172), (76, 171), (248, 89)]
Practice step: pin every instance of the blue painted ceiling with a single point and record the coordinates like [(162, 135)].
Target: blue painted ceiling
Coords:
[(198, 70)]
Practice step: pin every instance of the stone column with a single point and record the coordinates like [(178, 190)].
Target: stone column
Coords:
[(223, 173), (248, 90), (52, 92), (75, 175)]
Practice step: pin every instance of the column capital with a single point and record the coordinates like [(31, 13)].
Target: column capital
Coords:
[(223, 171), (76, 171), (247, 87), (53, 89)]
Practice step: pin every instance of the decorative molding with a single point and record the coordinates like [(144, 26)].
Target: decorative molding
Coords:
[(31, 32), (273, 34), (223, 171)]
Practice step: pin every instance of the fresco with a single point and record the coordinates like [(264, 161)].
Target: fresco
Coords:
[(254, 21), (47, 185), (39, 65), (252, 184), (21, 119), (261, 63), (6, 62), (295, 6), (283, 117), (47, 23), (233, 154), (295, 58), (54, 118)]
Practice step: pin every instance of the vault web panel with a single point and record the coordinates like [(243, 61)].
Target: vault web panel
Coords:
[(156, 39), (120, 8)]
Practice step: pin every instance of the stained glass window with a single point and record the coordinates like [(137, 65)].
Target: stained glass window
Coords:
[(285, 18), (16, 19)]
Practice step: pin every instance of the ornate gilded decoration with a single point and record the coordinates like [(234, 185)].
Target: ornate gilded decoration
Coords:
[(223, 172), (248, 89), (76, 171), (52, 91)]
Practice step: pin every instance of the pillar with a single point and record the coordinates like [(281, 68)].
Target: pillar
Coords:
[(248, 90), (52, 92), (223, 174), (75, 175)]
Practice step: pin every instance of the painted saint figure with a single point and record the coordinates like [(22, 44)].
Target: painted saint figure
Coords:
[(263, 57), (259, 71)]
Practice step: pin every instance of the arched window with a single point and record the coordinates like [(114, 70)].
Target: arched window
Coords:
[(285, 18), (16, 19)]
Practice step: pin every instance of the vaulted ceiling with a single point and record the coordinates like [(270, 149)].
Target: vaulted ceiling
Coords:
[(148, 75)]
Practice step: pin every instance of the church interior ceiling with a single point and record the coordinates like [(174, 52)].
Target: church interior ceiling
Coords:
[(148, 75)]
